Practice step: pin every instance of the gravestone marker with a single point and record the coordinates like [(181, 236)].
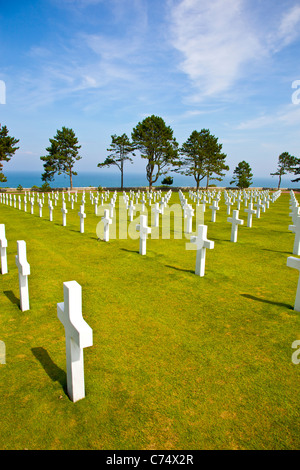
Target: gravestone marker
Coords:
[(235, 221), (293, 262), (144, 231), (24, 271), (214, 208), (79, 335), (250, 212), (296, 229), (201, 243), (156, 211), (107, 221), (82, 216), (3, 246), (50, 210), (64, 214)]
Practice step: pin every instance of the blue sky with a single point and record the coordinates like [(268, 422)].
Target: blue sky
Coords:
[(101, 66)]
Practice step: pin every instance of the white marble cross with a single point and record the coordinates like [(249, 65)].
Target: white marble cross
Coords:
[(107, 221), (156, 211), (239, 200), (50, 210), (95, 202), (111, 207), (200, 244), (235, 221), (296, 230), (189, 218), (293, 262), (82, 216), (250, 212), (131, 210), (32, 205), (228, 203), (64, 214), (144, 231), (40, 208), (258, 206), (24, 271), (214, 208), (295, 212), (79, 335), (3, 246)]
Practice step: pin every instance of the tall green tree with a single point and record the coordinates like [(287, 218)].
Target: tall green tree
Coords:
[(156, 143), (214, 165), (62, 155), (286, 164), (242, 175), (201, 157), (7, 149), (120, 149), (193, 155)]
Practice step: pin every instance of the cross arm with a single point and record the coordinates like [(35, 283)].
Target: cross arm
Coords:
[(293, 262)]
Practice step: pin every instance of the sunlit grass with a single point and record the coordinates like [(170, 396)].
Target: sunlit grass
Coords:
[(178, 361)]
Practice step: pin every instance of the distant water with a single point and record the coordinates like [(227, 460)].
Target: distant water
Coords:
[(105, 179)]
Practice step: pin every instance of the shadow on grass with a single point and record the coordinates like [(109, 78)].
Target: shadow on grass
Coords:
[(277, 251), (11, 296), (130, 251), (180, 269), (271, 302), (225, 240), (55, 373)]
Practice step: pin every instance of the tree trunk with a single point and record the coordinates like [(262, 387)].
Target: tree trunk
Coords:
[(122, 172), (207, 181), (149, 176), (71, 181), (279, 182)]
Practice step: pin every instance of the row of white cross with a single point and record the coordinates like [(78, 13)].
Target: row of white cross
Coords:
[(200, 240), (78, 333), (293, 262), (22, 264)]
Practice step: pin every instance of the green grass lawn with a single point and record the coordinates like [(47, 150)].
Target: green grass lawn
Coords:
[(178, 361)]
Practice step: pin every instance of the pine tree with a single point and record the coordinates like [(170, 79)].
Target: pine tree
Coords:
[(7, 149), (119, 150), (62, 155), (242, 176)]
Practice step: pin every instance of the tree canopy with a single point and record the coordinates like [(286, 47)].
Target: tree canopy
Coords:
[(7, 149), (201, 157), (242, 175), (156, 143), (286, 164), (119, 150), (62, 155)]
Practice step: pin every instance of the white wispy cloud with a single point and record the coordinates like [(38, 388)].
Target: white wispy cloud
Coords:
[(289, 26), (220, 40), (98, 62), (288, 115)]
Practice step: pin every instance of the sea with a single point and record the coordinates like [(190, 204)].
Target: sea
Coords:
[(112, 180)]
